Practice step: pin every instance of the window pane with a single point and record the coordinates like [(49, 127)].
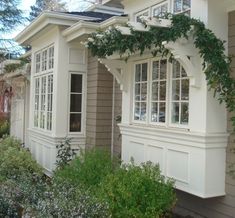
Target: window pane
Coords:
[(177, 6), (175, 113), (157, 12), (155, 91), (36, 118), (163, 69), (144, 91), (75, 123), (176, 90), (185, 90), (144, 71), (154, 116), (183, 73), (143, 112), (137, 92), (163, 90), (155, 70), (137, 111), (162, 112), (186, 4), (137, 72), (76, 83), (76, 103), (176, 69), (44, 60), (184, 113)]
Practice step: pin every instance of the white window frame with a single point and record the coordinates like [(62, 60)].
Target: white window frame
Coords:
[(39, 76), (168, 110), (160, 5), (140, 13), (82, 103), (147, 100)]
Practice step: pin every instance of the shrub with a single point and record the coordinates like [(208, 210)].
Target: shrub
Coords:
[(138, 191), (16, 161), (21, 179), (65, 153), (65, 200), (4, 128), (88, 169)]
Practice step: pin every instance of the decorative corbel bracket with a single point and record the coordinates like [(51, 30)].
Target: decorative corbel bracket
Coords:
[(188, 57), (118, 69)]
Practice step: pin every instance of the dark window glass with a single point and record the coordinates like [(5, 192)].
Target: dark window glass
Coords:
[(76, 83), (75, 122)]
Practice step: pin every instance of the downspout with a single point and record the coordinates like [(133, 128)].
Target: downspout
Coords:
[(113, 119)]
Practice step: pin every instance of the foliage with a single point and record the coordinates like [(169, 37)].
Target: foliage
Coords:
[(42, 5), (11, 16), (138, 191), (66, 200), (127, 191), (15, 160), (4, 128), (65, 153), (88, 169), (15, 66), (216, 64), (21, 179)]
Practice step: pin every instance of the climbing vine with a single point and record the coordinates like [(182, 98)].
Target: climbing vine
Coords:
[(216, 64)]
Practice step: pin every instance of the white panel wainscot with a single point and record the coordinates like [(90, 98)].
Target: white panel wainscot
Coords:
[(43, 148), (196, 161)]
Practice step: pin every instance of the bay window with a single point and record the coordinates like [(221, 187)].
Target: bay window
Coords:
[(76, 99), (43, 88), (161, 93)]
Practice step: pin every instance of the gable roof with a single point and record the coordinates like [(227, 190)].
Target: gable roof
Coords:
[(47, 18)]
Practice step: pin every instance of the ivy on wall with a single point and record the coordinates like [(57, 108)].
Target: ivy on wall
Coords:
[(216, 65)]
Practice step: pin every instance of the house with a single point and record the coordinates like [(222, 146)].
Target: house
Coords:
[(167, 114)]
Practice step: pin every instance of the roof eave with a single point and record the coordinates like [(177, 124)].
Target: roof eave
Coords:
[(85, 27), (45, 19)]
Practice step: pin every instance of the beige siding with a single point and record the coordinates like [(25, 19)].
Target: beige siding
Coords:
[(223, 206), (99, 104)]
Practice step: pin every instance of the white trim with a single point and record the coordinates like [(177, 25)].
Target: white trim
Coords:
[(139, 13)]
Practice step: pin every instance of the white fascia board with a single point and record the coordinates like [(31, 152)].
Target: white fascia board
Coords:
[(105, 9), (45, 19), (85, 27), (79, 29)]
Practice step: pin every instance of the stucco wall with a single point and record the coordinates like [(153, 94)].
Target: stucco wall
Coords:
[(223, 206), (99, 104)]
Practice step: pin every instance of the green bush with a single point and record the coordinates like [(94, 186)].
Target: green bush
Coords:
[(21, 179), (65, 153), (16, 161), (4, 128), (138, 191), (88, 169)]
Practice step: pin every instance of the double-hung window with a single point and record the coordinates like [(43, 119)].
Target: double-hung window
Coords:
[(76, 102), (43, 88), (161, 93)]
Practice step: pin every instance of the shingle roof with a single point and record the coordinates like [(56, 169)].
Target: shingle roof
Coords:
[(98, 16)]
